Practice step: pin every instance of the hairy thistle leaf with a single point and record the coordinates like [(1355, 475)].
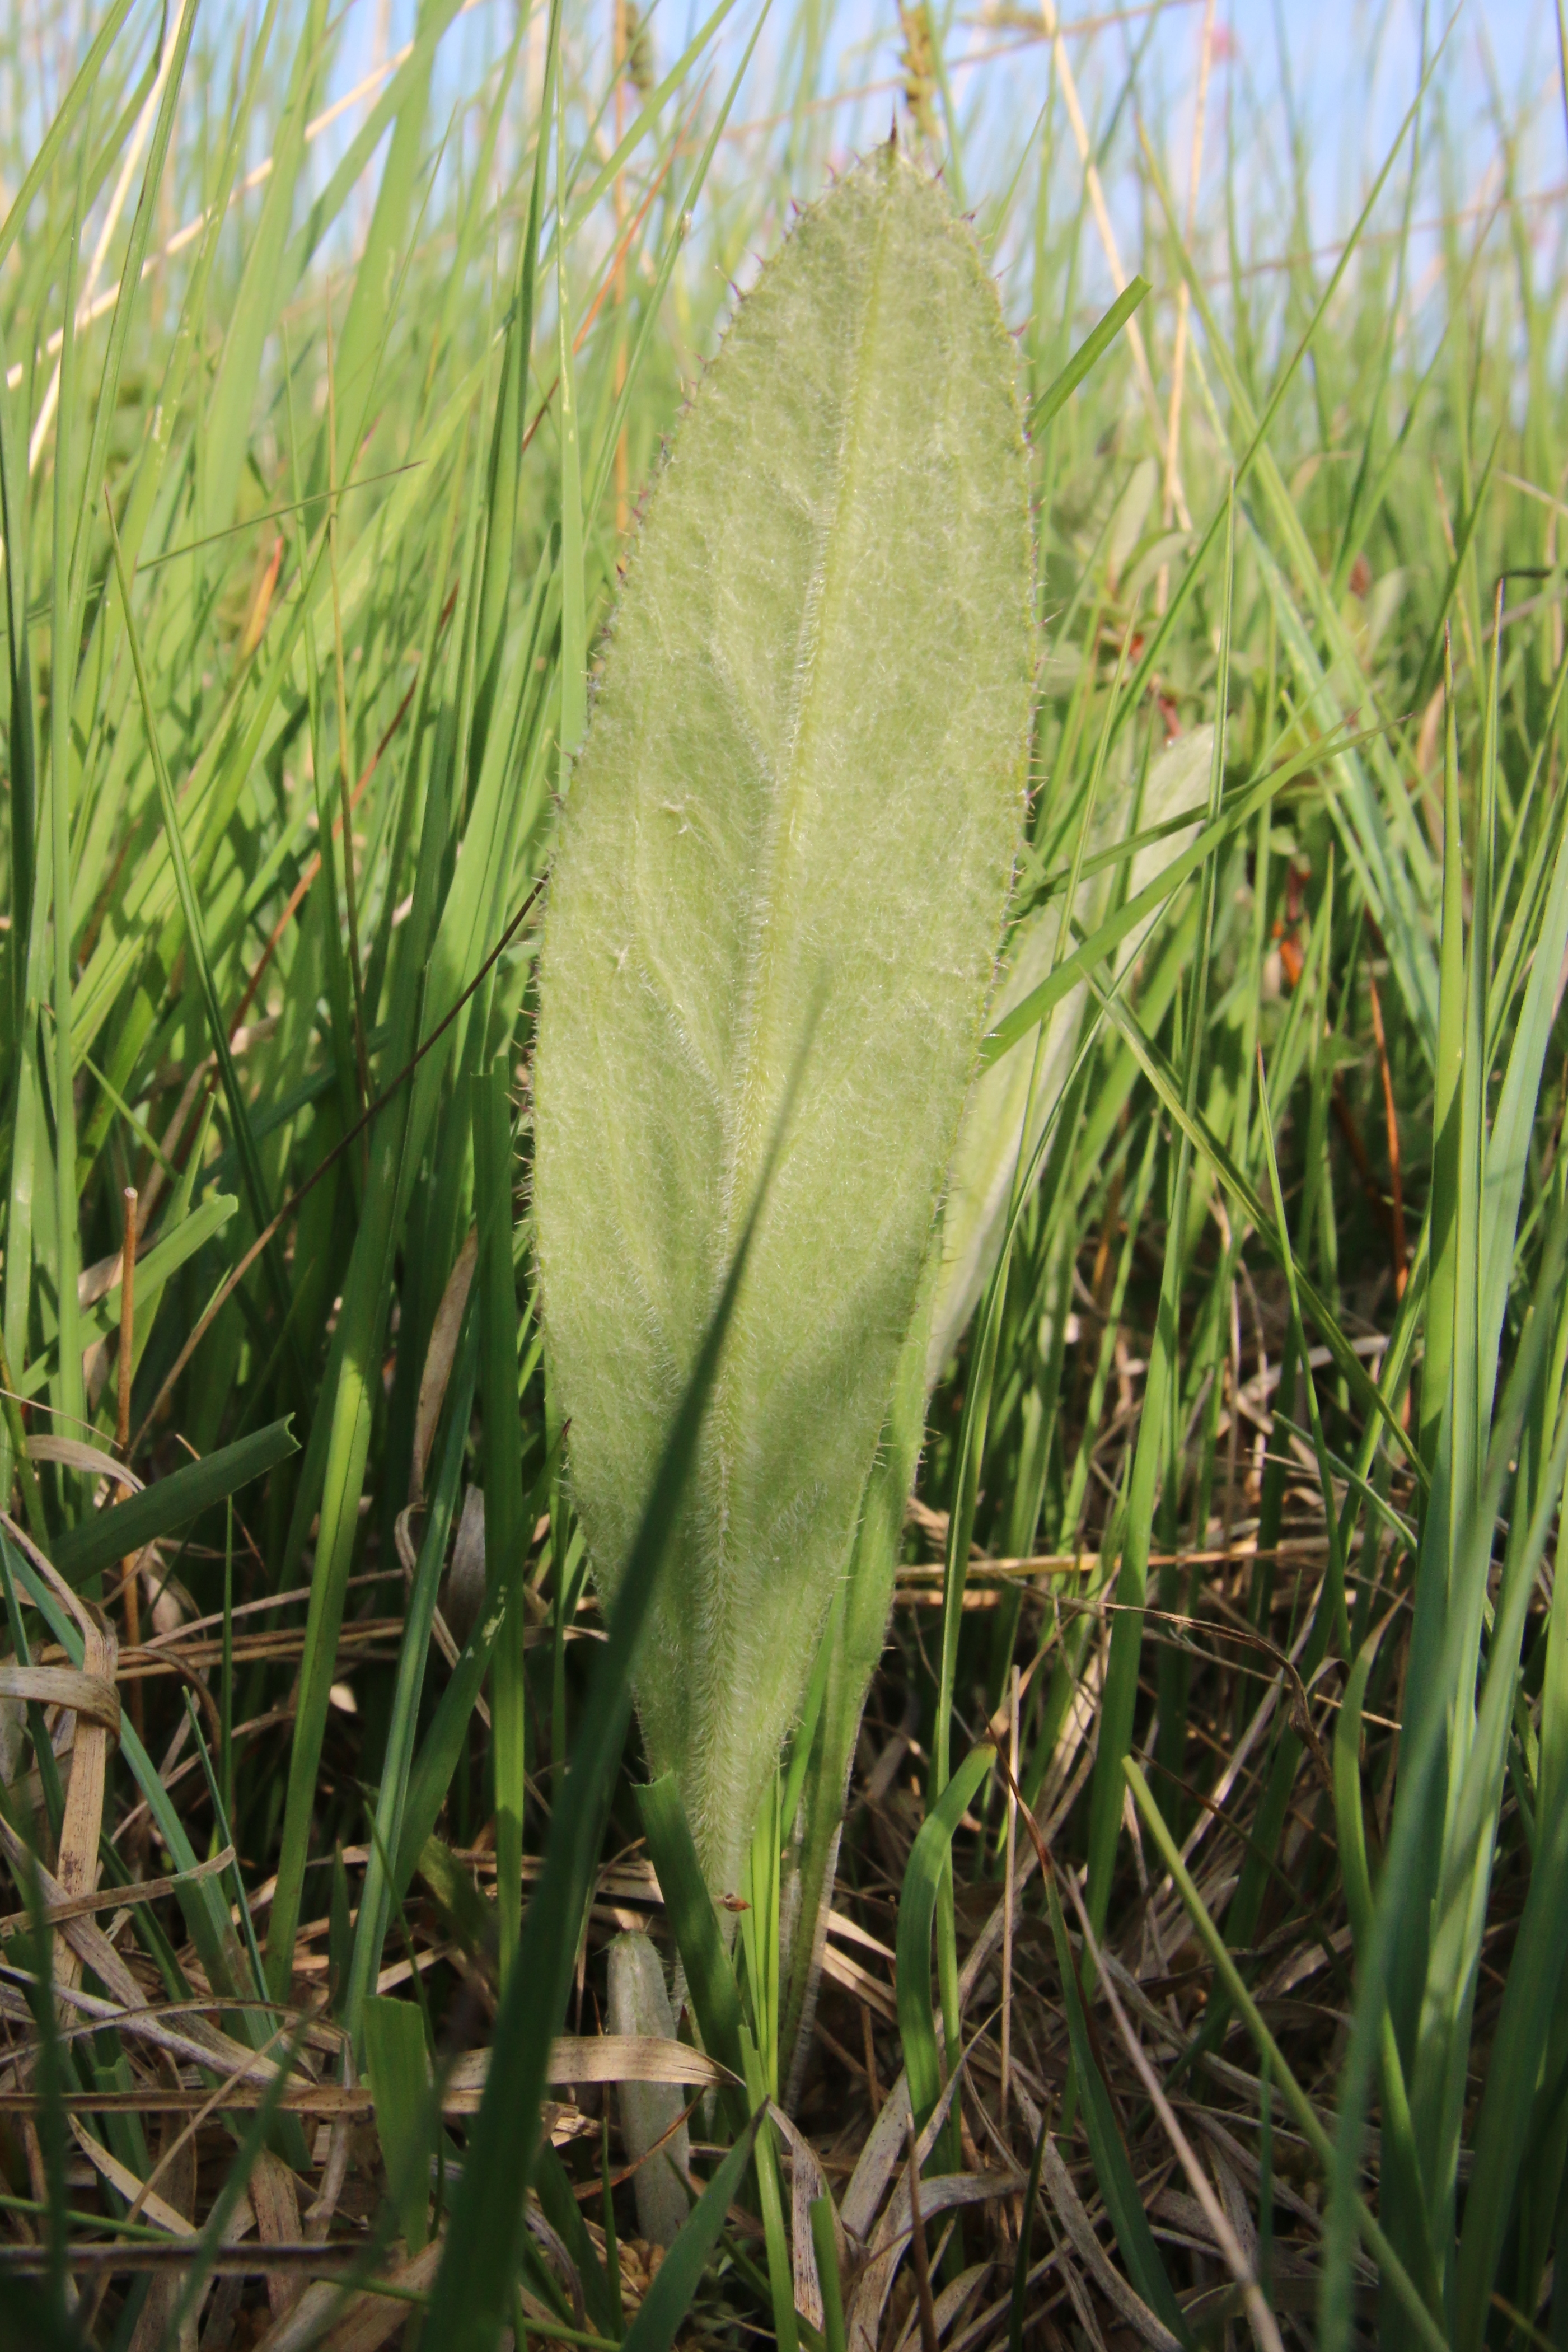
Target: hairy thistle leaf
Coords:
[(781, 880)]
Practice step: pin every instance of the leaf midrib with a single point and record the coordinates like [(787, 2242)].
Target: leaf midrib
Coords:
[(826, 590), (749, 1141)]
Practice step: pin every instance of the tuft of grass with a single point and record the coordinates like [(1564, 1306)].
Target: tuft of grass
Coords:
[(322, 436)]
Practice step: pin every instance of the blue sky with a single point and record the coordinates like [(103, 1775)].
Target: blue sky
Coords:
[(1344, 70), (1349, 67)]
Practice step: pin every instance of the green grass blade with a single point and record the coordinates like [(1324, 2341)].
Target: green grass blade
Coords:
[(265, 282), (509, 425), (573, 622), (599, 476), (1237, 813), (506, 1535), (23, 779), (85, 85), (68, 1215), (170, 1503), (710, 1978), (398, 2067), (1057, 394), (930, 1860), (255, 1184), (379, 1889), (1018, 2309), (1513, 2069), (437, 1759)]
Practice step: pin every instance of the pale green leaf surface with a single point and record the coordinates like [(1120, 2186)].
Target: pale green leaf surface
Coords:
[(784, 862)]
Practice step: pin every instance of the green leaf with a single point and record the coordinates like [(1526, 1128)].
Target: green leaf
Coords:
[(929, 1860), (788, 848), (170, 1501), (573, 622), (825, 2247), (399, 2070), (688, 1906), (1092, 347), (505, 1529)]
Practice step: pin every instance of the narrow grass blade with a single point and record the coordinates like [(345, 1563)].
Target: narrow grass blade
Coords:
[(69, 1389), (1018, 2309), (710, 1978), (23, 779), (509, 427), (170, 1503), (929, 1860), (573, 622), (398, 2066), (1240, 809), (431, 1774), (383, 1880), (639, 349), (824, 2245), (256, 1183), (1090, 351), (85, 83), (506, 1537)]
